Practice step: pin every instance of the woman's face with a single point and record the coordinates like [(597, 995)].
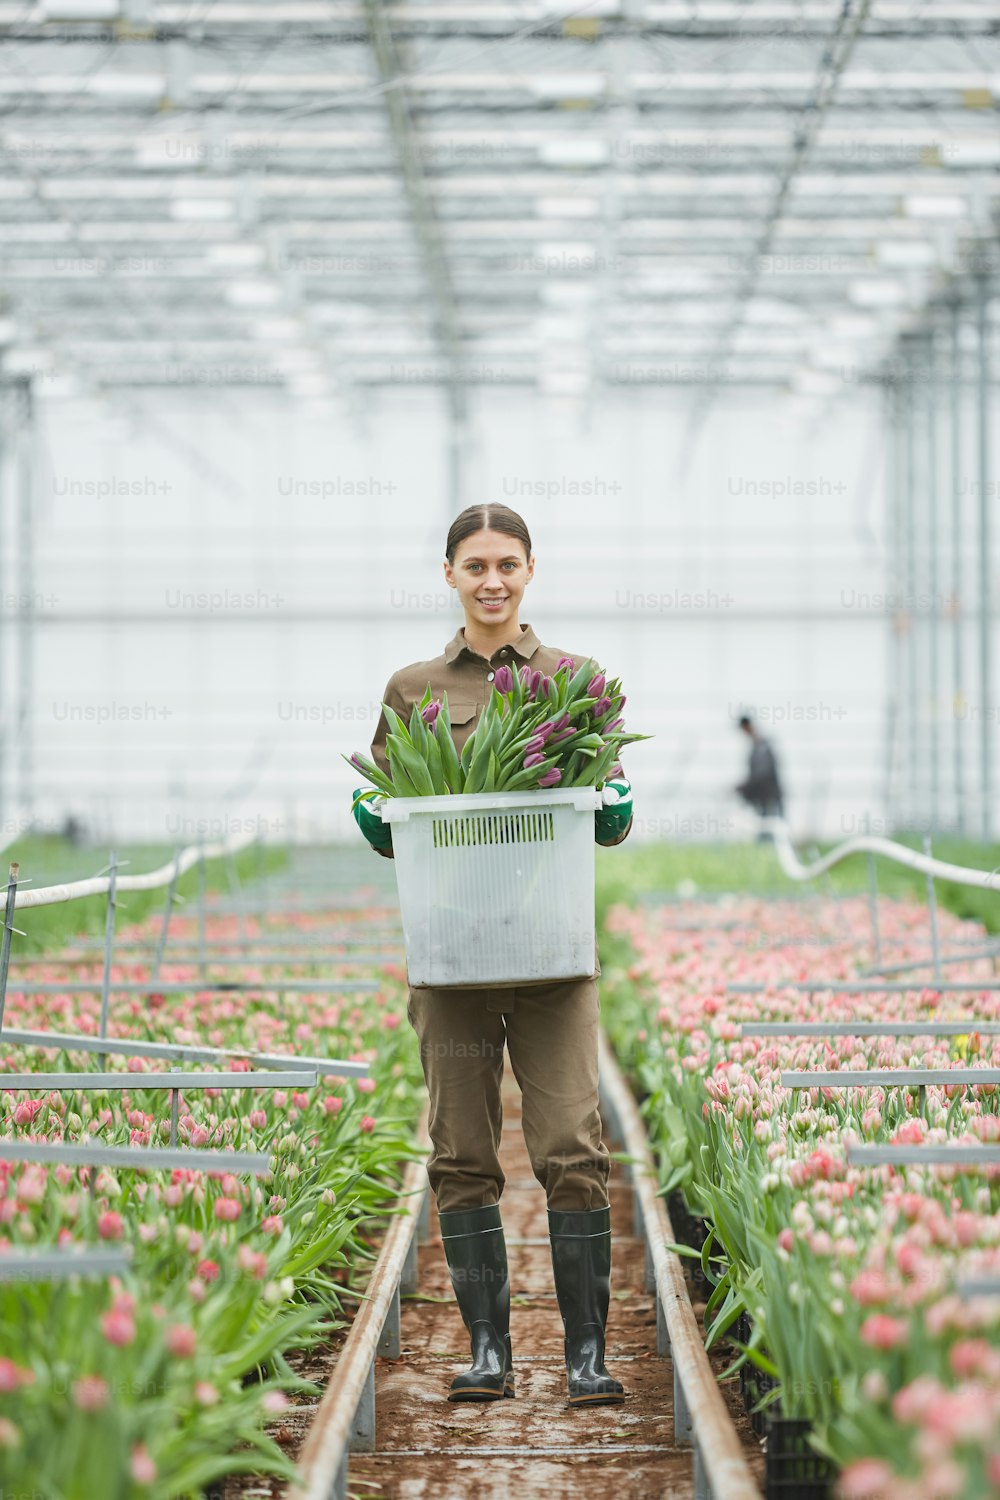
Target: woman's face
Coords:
[(490, 572)]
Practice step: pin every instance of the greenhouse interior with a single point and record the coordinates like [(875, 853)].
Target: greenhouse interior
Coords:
[(440, 439)]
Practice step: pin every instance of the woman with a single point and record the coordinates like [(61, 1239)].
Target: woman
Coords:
[(550, 1029)]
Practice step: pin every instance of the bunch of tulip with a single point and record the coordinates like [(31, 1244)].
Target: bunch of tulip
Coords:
[(536, 731), (849, 1273), (161, 1383)]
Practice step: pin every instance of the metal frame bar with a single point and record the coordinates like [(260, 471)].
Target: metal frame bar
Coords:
[(123, 1082), (701, 1417), (345, 1419), (937, 1156), (57, 1265), (888, 1078), (138, 1158), (965, 1027), (66, 1041)]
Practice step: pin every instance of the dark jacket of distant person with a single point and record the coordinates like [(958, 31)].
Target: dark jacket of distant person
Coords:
[(762, 787)]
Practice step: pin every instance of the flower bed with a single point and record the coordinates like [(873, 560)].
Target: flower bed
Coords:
[(159, 1383), (848, 1274)]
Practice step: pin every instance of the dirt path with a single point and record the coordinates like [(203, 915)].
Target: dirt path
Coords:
[(430, 1449)]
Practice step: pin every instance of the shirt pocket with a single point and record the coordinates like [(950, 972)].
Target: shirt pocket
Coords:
[(462, 711)]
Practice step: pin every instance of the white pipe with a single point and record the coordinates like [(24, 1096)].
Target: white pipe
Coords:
[(98, 885), (898, 853)]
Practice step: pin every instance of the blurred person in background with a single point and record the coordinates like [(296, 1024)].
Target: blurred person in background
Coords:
[(762, 787)]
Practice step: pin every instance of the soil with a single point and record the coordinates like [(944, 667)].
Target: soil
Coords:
[(535, 1444)]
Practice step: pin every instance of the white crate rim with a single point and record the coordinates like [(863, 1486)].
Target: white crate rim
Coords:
[(401, 809)]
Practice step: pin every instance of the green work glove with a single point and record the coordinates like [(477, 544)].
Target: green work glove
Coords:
[(378, 834), (612, 820)]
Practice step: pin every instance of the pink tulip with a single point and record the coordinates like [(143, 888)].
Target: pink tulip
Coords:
[(90, 1393), (110, 1226), (181, 1341), (366, 1124), (868, 1479), (272, 1224), (884, 1332), (142, 1467), (118, 1328), (226, 1209)]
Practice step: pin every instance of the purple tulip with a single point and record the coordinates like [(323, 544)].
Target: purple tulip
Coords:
[(562, 722), (563, 734), (602, 707), (545, 729), (503, 680), (534, 759), (615, 724), (621, 702), (535, 744), (534, 683), (430, 713), (616, 770), (595, 686), (566, 661), (551, 778), (356, 763)]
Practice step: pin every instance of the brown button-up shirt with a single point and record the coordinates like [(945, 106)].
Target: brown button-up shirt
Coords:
[(466, 677)]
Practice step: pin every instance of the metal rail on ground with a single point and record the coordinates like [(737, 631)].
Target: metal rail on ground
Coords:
[(721, 1471), (345, 1418)]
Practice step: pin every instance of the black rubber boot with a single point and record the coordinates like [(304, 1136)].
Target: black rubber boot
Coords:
[(581, 1263), (477, 1259)]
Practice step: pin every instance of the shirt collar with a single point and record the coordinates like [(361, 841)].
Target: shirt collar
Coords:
[(525, 647)]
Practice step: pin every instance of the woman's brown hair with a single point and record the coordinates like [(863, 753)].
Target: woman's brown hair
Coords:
[(486, 518)]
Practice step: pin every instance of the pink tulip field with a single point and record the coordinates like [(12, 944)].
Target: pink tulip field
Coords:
[(159, 1383), (848, 1275)]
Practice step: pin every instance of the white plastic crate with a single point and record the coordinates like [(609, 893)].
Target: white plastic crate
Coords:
[(496, 888)]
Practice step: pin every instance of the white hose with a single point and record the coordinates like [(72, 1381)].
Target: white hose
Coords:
[(898, 853), (98, 885)]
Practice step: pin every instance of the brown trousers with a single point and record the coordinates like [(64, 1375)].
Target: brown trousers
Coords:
[(551, 1035)]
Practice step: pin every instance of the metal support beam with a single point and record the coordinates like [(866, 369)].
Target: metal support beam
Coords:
[(24, 587), (421, 206), (987, 706), (957, 580)]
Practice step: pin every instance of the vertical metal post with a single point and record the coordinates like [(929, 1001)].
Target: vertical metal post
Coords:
[(8, 928), (362, 1435), (662, 1331), (957, 616), (934, 612), (201, 910), (3, 576), (682, 1417), (909, 532), (873, 906), (236, 892), (894, 583), (986, 706), (175, 1106), (24, 581), (932, 907), (109, 941), (390, 1343), (167, 913)]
